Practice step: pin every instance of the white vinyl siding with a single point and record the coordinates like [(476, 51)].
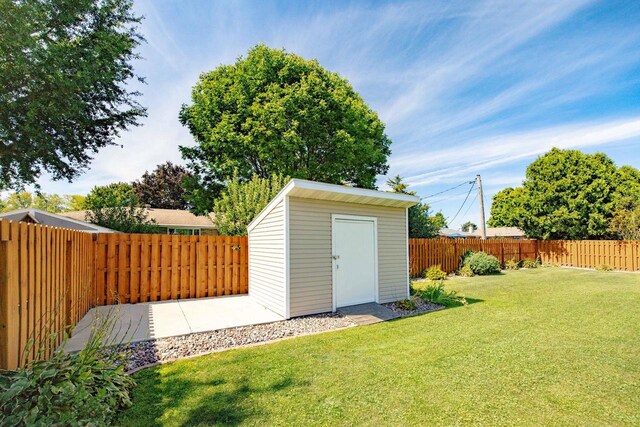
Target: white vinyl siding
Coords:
[(310, 252), (267, 261)]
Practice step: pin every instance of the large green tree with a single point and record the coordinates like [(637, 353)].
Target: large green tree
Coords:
[(116, 206), (421, 223), (163, 187), (275, 112), (64, 70), (507, 209), (241, 201), (567, 194)]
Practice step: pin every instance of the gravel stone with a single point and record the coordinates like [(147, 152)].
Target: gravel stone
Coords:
[(153, 351), (422, 307)]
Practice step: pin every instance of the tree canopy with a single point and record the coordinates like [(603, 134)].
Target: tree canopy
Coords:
[(469, 227), (421, 224), (241, 201), (64, 70), (275, 112), (47, 202), (116, 206), (568, 194), (163, 188)]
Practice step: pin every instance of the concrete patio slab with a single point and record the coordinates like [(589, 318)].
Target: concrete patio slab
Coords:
[(367, 314), (151, 320)]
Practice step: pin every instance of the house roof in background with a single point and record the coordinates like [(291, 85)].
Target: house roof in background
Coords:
[(166, 217), (501, 232), (450, 232), (38, 216)]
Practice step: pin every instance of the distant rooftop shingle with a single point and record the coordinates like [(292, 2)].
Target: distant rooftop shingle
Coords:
[(165, 217)]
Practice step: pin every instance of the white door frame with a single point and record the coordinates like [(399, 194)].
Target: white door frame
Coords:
[(333, 252)]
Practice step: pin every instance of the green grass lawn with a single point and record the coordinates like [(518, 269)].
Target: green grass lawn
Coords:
[(539, 347)]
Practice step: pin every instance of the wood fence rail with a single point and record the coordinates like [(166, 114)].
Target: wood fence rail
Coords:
[(617, 254), (133, 268), (46, 286), (50, 277)]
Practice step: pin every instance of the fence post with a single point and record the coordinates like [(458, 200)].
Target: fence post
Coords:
[(9, 303)]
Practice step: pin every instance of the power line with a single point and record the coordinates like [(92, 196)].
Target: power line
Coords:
[(463, 203), (449, 189), (470, 204), (444, 199)]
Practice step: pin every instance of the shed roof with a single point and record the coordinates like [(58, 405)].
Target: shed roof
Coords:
[(337, 193)]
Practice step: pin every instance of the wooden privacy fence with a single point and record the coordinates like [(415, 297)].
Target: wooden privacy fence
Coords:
[(50, 277), (134, 268), (617, 254), (46, 285)]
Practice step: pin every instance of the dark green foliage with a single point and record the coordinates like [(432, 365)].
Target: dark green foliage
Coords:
[(242, 201), (465, 256), (508, 208), (78, 389), (482, 263), (436, 293), (275, 112), (64, 71), (116, 206), (163, 188), (469, 227), (435, 273), (569, 195), (421, 225), (511, 264)]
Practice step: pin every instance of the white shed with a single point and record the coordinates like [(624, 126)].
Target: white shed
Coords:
[(316, 247)]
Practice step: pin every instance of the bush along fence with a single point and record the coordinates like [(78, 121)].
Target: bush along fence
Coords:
[(50, 277), (616, 254)]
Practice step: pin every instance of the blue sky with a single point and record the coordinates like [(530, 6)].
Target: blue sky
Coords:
[(464, 87)]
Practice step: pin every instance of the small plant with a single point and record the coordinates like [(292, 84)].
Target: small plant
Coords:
[(435, 273), (407, 304), (512, 264), (482, 263), (530, 263), (466, 271), (604, 267), (436, 293), (84, 388)]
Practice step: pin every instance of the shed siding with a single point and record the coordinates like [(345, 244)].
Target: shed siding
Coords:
[(310, 252), (266, 261)]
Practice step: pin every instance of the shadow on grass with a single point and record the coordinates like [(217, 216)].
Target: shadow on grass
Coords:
[(219, 401)]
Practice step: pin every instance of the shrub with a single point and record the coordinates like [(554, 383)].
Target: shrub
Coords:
[(512, 264), (604, 267), (482, 263), (530, 263), (466, 271), (84, 388), (436, 293), (465, 256), (435, 273), (407, 304)]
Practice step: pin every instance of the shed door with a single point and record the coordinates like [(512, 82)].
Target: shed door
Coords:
[(354, 261)]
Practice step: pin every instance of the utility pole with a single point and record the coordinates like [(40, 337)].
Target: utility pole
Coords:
[(483, 227)]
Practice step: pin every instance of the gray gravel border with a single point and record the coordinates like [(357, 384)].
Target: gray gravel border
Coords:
[(152, 352)]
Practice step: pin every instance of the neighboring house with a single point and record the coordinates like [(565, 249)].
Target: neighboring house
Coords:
[(172, 221), (37, 216), (454, 234), (316, 247), (502, 233)]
